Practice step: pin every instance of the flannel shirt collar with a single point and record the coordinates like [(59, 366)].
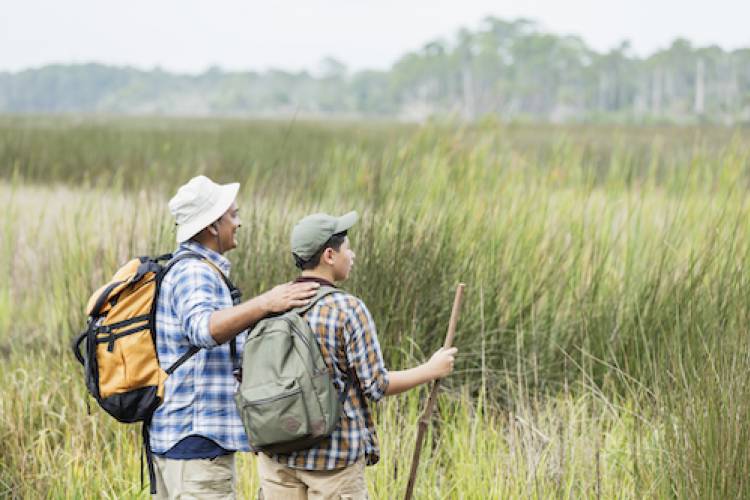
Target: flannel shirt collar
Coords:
[(215, 257), (314, 279)]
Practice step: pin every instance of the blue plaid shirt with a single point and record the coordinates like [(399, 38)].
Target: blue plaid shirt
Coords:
[(199, 395)]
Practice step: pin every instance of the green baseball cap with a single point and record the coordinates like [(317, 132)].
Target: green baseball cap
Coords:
[(311, 233)]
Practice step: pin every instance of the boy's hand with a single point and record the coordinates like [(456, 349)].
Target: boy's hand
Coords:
[(281, 298), (441, 363)]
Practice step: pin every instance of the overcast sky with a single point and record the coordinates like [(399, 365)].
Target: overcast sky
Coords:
[(191, 35)]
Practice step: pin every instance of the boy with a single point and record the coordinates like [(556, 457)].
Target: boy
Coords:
[(346, 333)]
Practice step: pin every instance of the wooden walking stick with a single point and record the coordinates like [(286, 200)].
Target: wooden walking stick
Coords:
[(425, 419)]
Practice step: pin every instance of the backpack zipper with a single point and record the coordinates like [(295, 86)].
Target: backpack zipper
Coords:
[(271, 399), (299, 334), (309, 347)]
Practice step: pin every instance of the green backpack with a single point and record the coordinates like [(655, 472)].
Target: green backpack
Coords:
[(287, 399)]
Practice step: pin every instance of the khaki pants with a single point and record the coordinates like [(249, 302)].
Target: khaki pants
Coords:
[(279, 482), (209, 478)]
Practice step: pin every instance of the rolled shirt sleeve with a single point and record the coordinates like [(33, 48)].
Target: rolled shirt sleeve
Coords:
[(196, 296), (363, 352)]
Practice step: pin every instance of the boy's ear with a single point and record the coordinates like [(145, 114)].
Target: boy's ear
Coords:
[(328, 255)]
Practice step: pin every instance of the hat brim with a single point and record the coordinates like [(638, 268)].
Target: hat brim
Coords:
[(227, 195), (345, 222)]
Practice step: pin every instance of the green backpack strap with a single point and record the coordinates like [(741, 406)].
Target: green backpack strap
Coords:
[(323, 291)]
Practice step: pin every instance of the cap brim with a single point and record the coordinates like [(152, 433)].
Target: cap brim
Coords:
[(345, 222), (227, 195)]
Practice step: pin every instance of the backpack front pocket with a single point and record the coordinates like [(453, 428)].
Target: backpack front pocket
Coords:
[(274, 412)]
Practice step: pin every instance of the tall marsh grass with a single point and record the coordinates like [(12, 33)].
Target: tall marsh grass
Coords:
[(604, 349)]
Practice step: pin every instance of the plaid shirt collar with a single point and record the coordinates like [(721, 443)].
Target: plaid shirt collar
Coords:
[(314, 279), (215, 257)]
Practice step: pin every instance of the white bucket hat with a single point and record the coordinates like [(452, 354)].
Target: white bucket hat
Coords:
[(199, 203)]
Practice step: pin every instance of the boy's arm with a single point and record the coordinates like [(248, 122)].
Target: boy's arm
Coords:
[(439, 365), (363, 352)]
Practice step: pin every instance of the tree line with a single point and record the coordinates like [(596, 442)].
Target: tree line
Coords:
[(509, 69)]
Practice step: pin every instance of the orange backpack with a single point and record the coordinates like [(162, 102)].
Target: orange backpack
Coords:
[(120, 359)]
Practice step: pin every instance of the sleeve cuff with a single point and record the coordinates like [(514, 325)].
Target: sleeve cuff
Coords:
[(379, 387), (202, 334)]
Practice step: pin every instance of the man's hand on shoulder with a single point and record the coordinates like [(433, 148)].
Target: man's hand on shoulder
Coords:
[(225, 324), (287, 296)]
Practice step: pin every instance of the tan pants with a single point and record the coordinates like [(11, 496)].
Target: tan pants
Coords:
[(279, 482), (202, 478)]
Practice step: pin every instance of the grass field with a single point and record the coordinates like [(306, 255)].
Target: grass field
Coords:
[(604, 336)]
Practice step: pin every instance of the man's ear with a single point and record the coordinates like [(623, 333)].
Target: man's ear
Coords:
[(213, 229)]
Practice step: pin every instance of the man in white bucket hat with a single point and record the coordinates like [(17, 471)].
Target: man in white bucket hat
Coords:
[(196, 430)]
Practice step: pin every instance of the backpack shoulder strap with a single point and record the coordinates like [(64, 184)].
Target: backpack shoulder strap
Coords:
[(235, 292), (323, 291), (236, 295)]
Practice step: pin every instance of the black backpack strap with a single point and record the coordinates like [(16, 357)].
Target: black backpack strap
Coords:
[(77, 341), (189, 354), (236, 362), (236, 295), (103, 297), (149, 457)]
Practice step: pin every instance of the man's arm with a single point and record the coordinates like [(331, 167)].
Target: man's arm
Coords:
[(439, 365), (225, 324)]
